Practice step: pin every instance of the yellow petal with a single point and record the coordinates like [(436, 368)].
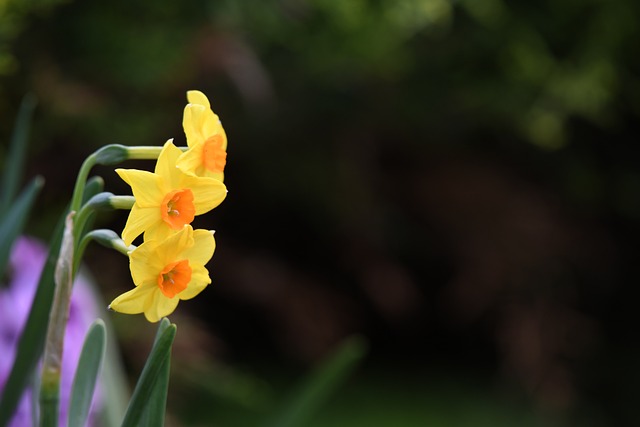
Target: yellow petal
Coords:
[(144, 185), (166, 167), (197, 97), (190, 162), (158, 232), (133, 301), (192, 123), (218, 176), (211, 125), (170, 249), (144, 264), (199, 280), (207, 192), (159, 306), (202, 249), (140, 220)]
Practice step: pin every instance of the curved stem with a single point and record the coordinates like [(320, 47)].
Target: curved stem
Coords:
[(81, 219), (81, 181), (99, 236), (80, 251)]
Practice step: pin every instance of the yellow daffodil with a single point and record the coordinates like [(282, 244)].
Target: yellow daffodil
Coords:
[(165, 272), (167, 199), (207, 141)]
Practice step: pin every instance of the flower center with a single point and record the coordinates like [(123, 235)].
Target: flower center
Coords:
[(214, 158), (177, 208), (174, 278)]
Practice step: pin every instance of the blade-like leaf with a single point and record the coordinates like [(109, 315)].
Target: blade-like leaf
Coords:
[(114, 385), (15, 158), (320, 384), (13, 222), (87, 371), (31, 342), (152, 376), (35, 397), (153, 414)]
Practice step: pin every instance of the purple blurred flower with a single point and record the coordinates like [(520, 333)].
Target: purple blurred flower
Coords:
[(27, 260)]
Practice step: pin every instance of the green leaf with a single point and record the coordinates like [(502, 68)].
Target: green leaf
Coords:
[(31, 342), (89, 365), (113, 382), (13, 223), (17, 150), (153, 414), (154, 377), (35, 399), (314, 390)]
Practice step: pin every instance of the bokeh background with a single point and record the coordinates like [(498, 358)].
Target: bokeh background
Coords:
[(455, 182)]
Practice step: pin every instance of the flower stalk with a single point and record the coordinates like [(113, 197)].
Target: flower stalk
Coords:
[(52, 361), (110, 155)]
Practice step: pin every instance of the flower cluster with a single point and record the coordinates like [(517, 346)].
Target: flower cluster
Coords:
[(169, 265)]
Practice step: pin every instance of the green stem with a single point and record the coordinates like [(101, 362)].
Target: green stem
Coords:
[(52, 360), (49, 398), (81, 181), (119, 246), (107, 238), (99, 201), (143, 152), (103, 201), (122, 202), (108, 155)]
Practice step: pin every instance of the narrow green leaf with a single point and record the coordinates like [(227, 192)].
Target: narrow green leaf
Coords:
[(114, 383), (150, 378), (17, 150), (315, 389), (35, 396), (31, 342), (86, 376), (15, 218), (154, 412), (162, 326)]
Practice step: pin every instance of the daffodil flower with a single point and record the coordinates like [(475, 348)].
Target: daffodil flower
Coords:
[(165, 272), (167, 199), (207, 141)]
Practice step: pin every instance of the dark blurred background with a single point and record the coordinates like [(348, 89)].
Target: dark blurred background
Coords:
[(457, 182)]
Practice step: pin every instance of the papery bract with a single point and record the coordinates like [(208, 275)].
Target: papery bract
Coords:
[(165, 272), (206, 138), (167, 199)]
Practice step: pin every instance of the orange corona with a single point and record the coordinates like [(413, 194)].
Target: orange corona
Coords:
[(214, 158), (174, 278), (177, 208)]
